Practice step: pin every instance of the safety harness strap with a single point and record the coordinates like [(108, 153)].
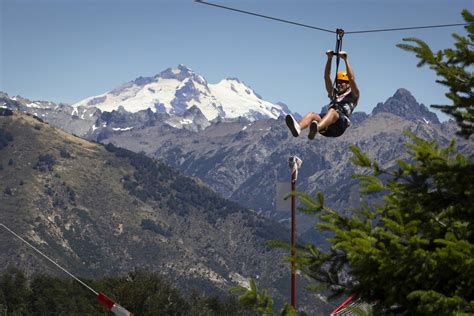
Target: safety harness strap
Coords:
[(339, 35)]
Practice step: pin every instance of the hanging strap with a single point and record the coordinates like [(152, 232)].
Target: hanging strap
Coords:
[(294, 163), (339, 35)]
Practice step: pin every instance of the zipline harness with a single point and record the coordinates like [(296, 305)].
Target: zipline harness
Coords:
[(339, 35)]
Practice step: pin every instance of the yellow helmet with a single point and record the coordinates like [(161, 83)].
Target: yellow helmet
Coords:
[(342, 75)]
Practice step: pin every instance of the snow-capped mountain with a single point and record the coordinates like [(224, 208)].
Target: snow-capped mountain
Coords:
[(176, 90)]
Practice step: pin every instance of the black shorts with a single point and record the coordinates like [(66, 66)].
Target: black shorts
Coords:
[(339, 127)]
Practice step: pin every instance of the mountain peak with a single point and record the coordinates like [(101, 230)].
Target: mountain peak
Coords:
[(180, 73), (404, 104), (183, 67), (238, 86), (233, 79), (403, 94)]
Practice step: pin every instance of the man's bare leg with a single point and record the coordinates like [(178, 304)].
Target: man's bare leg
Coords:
[(311, 116), (330, 118)]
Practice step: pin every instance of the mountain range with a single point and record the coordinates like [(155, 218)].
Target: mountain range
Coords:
[(233, 140), (177, 96), (228, 140)]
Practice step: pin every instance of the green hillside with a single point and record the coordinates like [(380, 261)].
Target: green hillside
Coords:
[(103, 211)]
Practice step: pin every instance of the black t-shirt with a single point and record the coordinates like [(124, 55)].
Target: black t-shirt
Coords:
[(344, 102)]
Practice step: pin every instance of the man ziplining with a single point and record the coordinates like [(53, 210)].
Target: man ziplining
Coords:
[(344, 98)]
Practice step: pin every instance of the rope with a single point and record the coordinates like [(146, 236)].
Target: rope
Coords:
[(50, 260), (327, 30), (294, 162)]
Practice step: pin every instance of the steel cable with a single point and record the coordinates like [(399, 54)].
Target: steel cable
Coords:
[(327, 30)]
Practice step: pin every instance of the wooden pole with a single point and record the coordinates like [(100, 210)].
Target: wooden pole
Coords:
[(294, 164), (293, 240)]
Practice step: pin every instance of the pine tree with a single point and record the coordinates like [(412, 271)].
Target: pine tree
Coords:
[(412, 253), (260, 300), (453, 66), (14, 292)]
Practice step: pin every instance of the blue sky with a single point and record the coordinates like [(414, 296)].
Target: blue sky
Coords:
[(67, 50)]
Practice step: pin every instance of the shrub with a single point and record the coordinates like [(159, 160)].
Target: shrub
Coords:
[(45, 163), (64, 153), (38, 118), (5, 138), (148, 224), (5, 112), (71, 194)]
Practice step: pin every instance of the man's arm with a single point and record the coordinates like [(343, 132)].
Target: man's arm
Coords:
[(350, 74), (327, 74)]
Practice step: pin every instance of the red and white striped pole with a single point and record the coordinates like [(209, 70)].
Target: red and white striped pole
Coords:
[(342, 305), (112, 306), (294, 164), (102, 298)]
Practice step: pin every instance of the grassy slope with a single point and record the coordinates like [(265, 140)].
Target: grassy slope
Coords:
[(80, 214)]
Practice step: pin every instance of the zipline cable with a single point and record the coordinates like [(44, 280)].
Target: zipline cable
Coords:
[(327, 30), (407, 28), (110, 304), (264, 16)]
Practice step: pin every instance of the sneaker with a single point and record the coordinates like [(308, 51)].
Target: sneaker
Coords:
[(293, 125), (313, 129)]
